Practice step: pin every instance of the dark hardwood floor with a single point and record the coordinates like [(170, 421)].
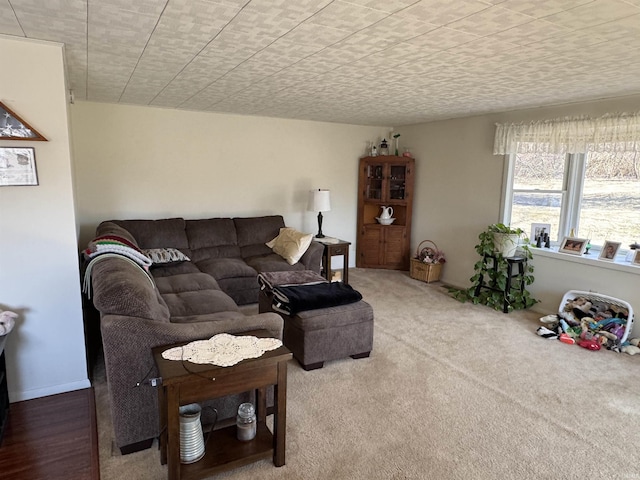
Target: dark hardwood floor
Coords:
[(51, 438)]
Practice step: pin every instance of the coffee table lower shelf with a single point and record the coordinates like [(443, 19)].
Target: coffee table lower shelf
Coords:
[(225, 452)]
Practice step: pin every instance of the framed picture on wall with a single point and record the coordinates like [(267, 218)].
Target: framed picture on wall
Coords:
[(573, 245), (609, 251), (12, 127), (18, 166)]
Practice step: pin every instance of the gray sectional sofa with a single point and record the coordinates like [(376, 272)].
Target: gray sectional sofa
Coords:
[(178, 301)]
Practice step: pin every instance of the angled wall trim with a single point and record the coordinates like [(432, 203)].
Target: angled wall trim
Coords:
[(12, 127)]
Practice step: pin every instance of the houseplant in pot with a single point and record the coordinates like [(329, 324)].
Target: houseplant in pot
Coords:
[(493, 241), (505, 239)]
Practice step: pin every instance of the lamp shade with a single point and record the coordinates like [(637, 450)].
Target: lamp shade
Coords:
[(319, 201)]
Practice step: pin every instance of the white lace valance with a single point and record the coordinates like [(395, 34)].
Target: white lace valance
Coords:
[(610, 133)]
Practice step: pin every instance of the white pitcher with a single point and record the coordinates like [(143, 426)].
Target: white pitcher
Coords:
[(387, 212)]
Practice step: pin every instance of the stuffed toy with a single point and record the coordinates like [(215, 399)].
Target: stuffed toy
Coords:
[(7, 321), (575, 310), (581, 307), (630, 349)]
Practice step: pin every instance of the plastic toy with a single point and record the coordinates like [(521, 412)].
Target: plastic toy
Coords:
[(592, 344), (564, 338)]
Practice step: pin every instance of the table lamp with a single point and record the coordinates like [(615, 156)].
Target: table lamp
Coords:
[(319, 201)]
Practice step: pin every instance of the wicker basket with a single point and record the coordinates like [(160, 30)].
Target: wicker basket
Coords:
[(427, 272)]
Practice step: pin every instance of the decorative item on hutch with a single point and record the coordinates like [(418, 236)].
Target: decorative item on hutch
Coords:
[(396, 137), (384, 147)]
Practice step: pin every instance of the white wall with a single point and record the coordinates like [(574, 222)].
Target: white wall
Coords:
[(142, 162), (39, 276), (458, 192), (153, 163)]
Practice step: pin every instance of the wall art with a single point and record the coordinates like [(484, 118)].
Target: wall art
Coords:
[(12, 127), (18, 166)]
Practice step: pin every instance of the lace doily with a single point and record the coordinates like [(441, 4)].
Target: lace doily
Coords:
[(223, 350)]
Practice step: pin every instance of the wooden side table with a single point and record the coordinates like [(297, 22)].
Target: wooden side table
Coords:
[(201, 382), (333, 250)]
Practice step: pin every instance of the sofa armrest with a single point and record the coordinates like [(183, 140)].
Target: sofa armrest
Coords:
[(312, 258), (127, 344)]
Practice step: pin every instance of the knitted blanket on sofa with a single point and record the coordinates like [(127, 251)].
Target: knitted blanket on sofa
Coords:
[(112, 246)]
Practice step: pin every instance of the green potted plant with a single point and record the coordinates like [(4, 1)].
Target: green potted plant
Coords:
[(495, 240), (505, 238)]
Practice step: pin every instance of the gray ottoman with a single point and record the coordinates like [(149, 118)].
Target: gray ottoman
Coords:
[(324, 334)]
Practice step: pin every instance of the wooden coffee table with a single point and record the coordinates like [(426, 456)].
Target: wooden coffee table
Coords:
[(202, 382)]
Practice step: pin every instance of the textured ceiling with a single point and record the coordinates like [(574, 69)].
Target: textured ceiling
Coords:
[(370, 62)]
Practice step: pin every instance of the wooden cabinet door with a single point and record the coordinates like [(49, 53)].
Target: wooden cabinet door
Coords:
[(371, 245), (395, 252)]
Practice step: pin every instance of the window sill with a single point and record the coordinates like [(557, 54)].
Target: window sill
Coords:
[(591, 259)]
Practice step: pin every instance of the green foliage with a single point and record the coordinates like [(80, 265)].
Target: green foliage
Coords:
[(497, 277)]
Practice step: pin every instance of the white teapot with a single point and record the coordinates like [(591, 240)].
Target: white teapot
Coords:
[(387, 212)]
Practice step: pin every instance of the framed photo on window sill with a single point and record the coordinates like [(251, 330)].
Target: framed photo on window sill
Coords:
[(538, 230), (609, 251), (636, 258), (573, 245)]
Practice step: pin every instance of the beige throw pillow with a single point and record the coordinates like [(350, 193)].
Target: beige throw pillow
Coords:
[(290, 244)]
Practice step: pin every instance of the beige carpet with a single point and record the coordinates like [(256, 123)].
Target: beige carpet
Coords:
[(451, 391)]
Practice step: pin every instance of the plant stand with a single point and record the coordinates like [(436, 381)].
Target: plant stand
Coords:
[(521, 262)]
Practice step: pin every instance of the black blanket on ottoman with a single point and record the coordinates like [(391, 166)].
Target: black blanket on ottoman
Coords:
[(299, 298)]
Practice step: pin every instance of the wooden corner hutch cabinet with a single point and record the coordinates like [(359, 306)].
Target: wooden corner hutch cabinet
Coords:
[(384, 181)]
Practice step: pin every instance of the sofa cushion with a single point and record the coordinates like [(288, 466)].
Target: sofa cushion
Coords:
[(221, 268), (198, 302), (209, 317), (212, 238), (254, 232), (129, 291), (168, 269), (211, 232), (164, 233), (290, 244), (243, 290), (188, 282), (272, 263)]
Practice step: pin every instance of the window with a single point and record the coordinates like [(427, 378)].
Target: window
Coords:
[(597, 194)]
